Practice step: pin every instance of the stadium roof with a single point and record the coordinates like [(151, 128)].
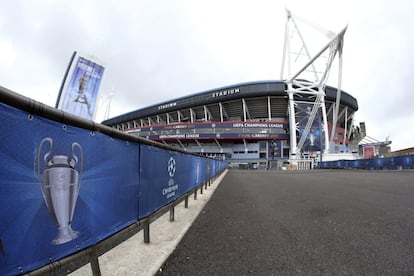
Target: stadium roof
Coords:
[(226, 93)]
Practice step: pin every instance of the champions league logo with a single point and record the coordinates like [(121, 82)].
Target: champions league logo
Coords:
[(172, 187)]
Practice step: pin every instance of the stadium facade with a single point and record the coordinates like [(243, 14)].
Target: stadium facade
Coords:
[(247, 124)]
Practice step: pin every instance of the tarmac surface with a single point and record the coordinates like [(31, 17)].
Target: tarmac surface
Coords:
[(321, 222), (134, 257)]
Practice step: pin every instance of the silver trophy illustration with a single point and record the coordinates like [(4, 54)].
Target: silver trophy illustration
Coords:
[(60, 187), (312, 138)]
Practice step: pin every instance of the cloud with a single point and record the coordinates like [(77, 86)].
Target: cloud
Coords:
[(379, 58), (156, 51)]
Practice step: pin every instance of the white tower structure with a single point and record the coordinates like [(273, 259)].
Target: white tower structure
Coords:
[(306, 73), (104, 105)]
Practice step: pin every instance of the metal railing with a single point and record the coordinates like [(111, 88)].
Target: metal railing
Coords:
[(91, 254), (13, 102)]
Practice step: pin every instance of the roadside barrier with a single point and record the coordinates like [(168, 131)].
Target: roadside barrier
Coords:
[(72, 189), (305, 165), (402, 162)]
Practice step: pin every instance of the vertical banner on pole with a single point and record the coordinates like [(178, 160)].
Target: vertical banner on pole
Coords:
[(314, 139), (80, 91)]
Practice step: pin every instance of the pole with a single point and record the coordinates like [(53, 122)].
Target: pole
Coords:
[(64, 79)]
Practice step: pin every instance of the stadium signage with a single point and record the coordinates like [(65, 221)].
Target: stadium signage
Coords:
[(258, 125), (226, 92), (272, 125), (188, 136), (181, 126), (179, 136), (168, 105)]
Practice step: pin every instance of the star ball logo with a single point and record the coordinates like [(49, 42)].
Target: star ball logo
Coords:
[(170, 191), (171, 167)]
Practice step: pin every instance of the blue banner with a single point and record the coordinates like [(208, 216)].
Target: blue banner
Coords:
[(165, 175), (314, 139), (62, 189), (81, 91), (388, 163), (275, 149), (198, 171)]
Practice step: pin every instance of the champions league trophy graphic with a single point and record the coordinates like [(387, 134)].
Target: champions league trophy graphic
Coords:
[(197, 171), (312, 138), (81, 98), (60, 188)]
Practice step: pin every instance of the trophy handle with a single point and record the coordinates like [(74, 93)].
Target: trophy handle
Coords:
[(76, 145), (46, 156)]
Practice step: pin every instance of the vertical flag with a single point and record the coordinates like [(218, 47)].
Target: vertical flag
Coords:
[(314, 140), (80, 91)]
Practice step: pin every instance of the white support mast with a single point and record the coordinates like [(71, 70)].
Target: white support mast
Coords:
[(106, 103), (296, 52)]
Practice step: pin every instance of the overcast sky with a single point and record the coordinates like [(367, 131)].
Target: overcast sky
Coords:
[(159, 50)]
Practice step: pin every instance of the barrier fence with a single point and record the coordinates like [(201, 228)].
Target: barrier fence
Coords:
[(388, 163), (304, 165), (71, 189)]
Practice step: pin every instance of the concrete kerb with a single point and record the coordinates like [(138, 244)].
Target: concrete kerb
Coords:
[(134, 257)]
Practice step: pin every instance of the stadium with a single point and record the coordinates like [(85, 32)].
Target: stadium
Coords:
[(294, 121), (247, 124)]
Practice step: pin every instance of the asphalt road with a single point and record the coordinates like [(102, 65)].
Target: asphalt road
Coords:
[(302, 223)]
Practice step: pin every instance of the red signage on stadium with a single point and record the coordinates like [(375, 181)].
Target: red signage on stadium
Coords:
[(236, 124)]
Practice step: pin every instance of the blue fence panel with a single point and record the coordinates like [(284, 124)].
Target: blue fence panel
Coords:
[(203, 171), (207, 169), (165, 175), (198, 171), (214, 170), (407, 161), (186, 174), (389, 163), (398, 162), (356, 164), (62, 189)]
